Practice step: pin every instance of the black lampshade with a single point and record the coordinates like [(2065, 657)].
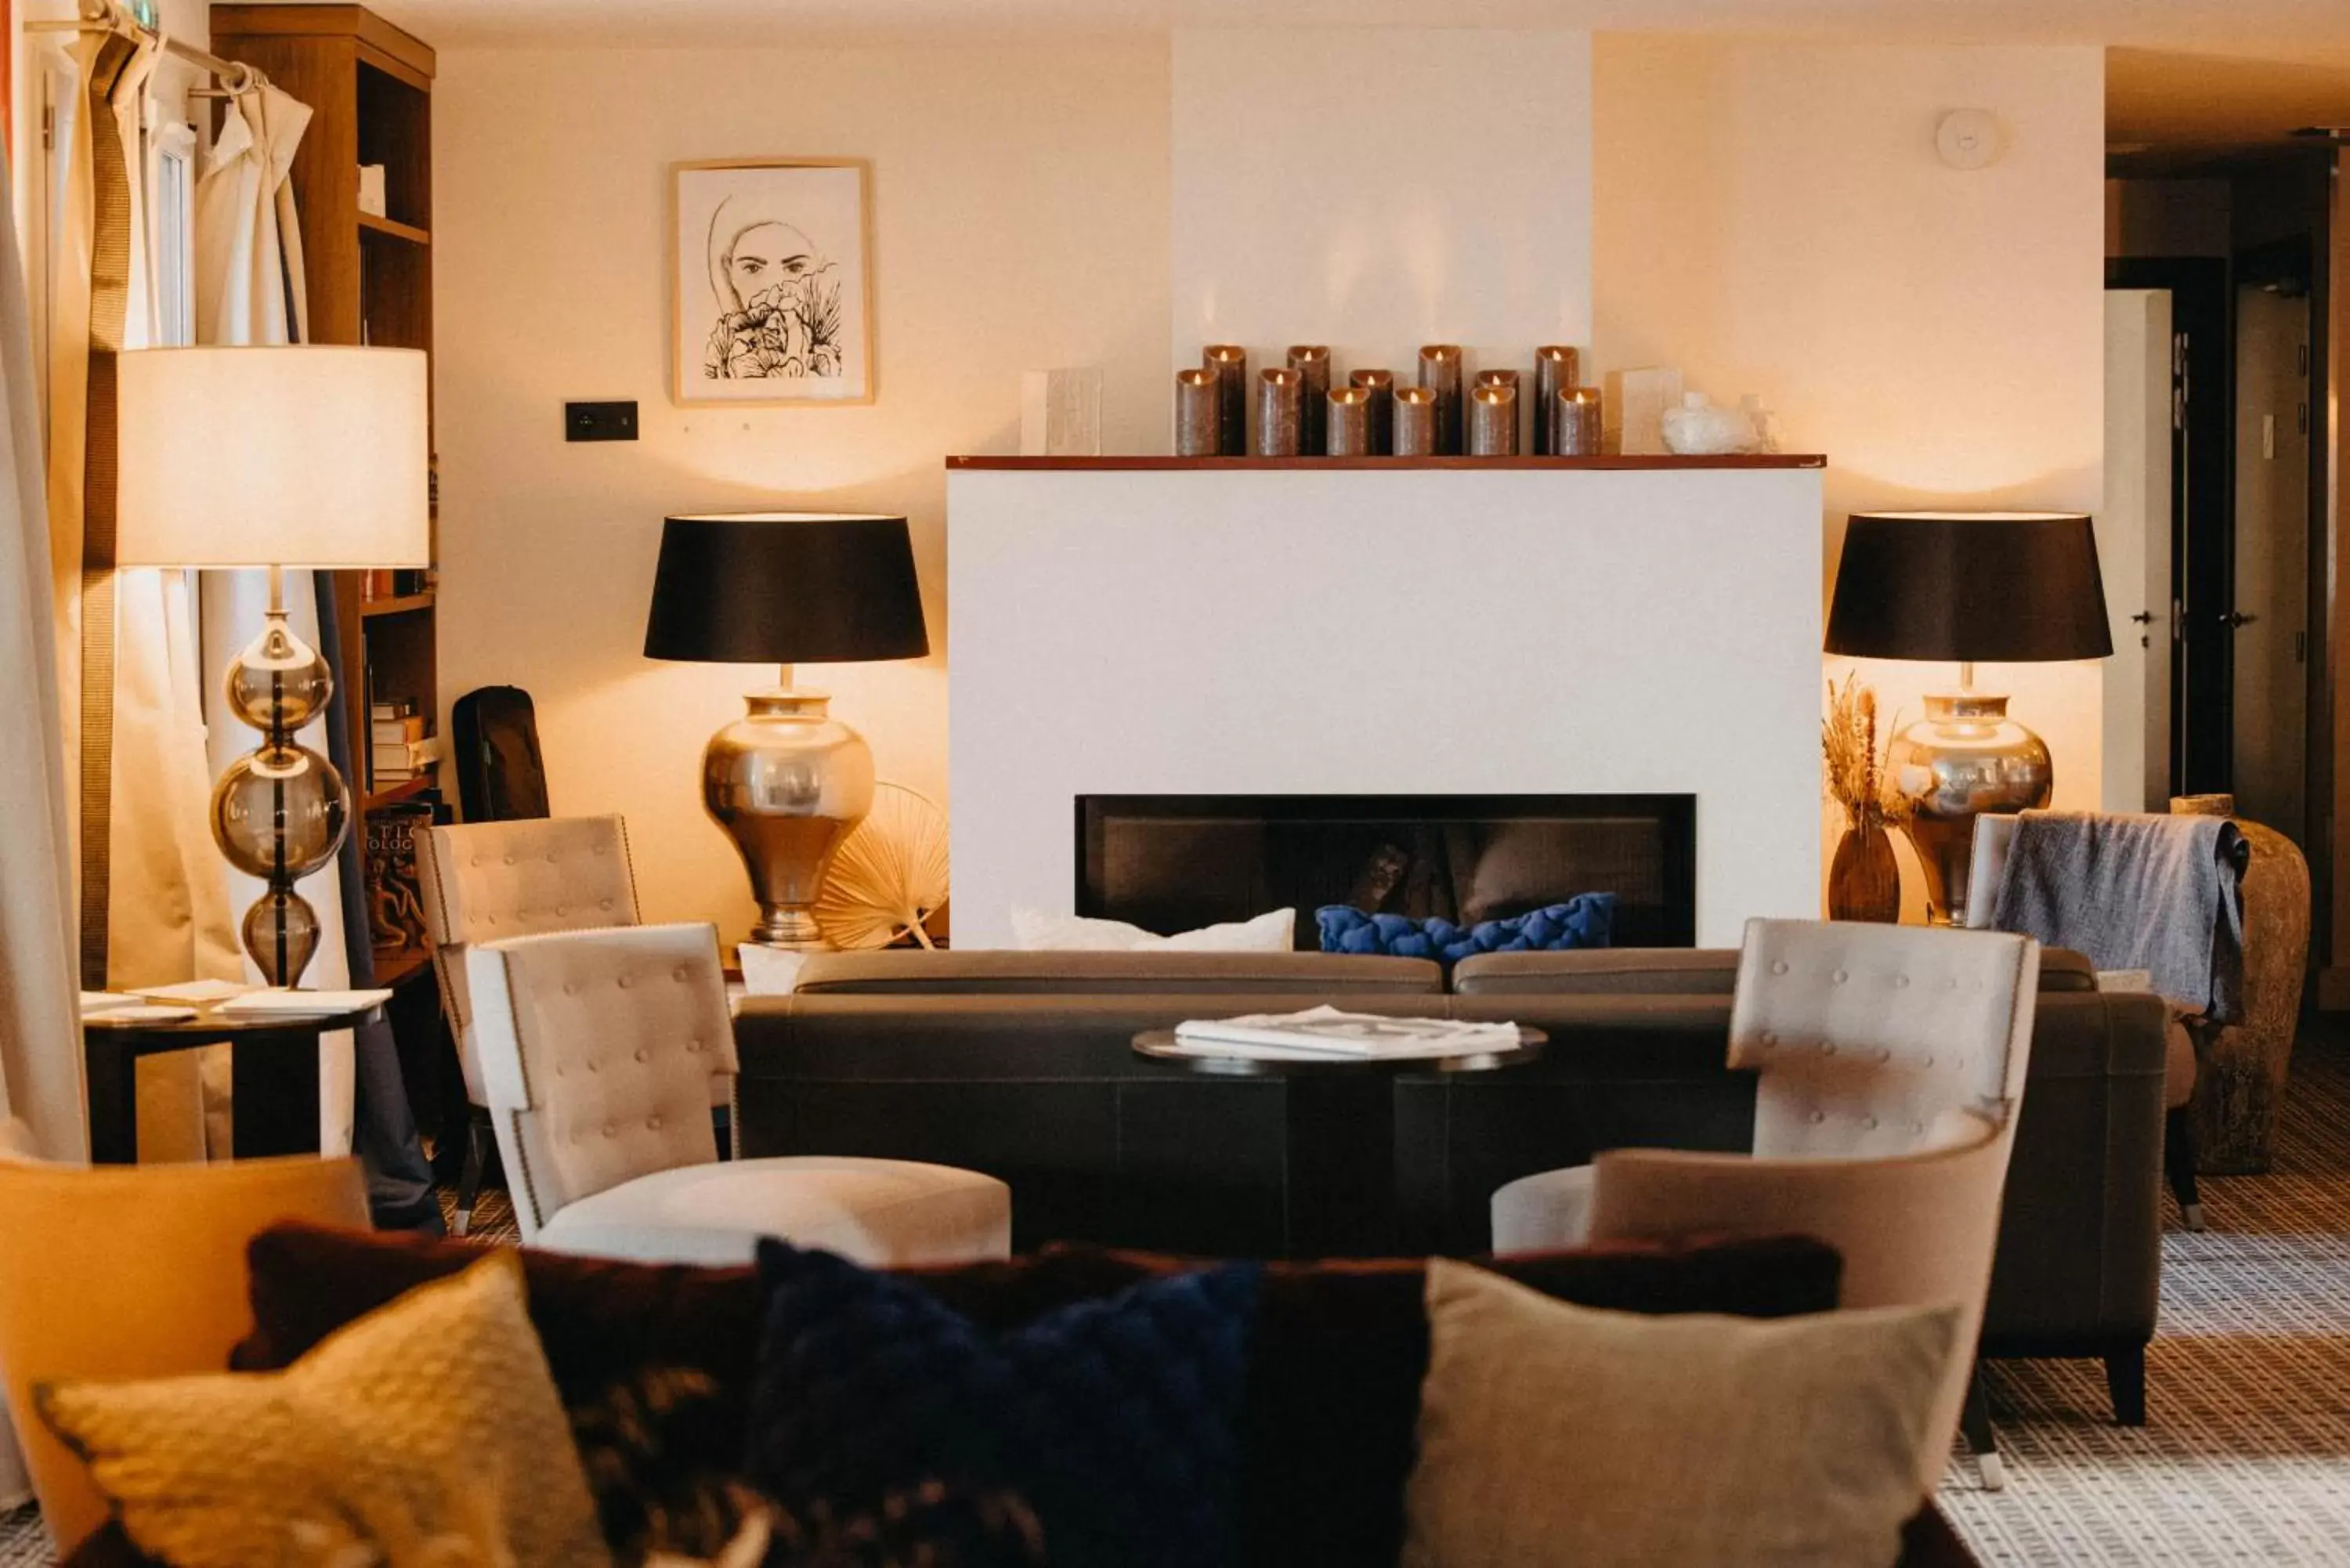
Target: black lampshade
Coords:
[(2000, 587), (785, 587)]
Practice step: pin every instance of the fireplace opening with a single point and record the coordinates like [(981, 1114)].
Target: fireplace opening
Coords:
[(1170, 863)]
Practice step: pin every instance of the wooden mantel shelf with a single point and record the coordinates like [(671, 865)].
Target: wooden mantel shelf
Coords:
[(1384, 464)]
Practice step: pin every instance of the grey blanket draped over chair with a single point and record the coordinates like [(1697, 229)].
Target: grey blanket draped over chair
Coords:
[(2162, 893)]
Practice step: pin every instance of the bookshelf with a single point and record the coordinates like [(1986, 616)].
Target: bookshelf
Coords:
[(368, 84)]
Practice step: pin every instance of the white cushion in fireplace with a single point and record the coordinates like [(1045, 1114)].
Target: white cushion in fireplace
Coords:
[(1035, 932)]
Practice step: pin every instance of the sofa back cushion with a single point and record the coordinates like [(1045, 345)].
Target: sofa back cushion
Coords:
[(1144, 973), (1669, 972)]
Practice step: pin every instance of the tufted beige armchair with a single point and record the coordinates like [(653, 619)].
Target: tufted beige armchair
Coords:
[(1890, 1064), (489, 881), (597, 1051)]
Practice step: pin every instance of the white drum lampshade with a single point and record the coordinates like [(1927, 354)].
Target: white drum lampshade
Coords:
[(308, 457), (302, 456)]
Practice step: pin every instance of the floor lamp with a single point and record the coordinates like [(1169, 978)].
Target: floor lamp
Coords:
[(308, 457)]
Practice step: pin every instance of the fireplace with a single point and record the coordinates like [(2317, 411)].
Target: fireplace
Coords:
[(1170, 863)]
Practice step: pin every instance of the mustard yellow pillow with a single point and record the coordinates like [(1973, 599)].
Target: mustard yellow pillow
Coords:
[(426, 1433)]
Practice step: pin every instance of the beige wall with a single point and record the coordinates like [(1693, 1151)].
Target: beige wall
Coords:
[(1773, 219), (1021, 195)]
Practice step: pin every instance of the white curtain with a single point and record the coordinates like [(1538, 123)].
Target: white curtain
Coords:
[(249, 289), (167, 909), (40, 1024)]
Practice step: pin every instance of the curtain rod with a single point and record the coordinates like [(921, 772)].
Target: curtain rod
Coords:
[(108, 16)]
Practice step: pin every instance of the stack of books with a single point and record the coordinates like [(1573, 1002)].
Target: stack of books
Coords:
[(398, 748)]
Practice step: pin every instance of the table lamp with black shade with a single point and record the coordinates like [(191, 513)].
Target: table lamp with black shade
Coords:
[(1968, 587), (787, 780), (302, 456)]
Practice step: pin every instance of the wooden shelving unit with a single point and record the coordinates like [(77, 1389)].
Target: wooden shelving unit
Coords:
[(368, 84)]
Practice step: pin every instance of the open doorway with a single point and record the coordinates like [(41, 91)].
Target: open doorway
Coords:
[(2228, 248)]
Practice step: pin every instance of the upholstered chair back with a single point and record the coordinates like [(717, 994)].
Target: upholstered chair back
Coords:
[(1880, 1040), (487, 881), (598, 1050), (125, 1271)]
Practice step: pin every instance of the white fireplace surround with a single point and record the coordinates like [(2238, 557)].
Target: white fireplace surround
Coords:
[(1531, 629)]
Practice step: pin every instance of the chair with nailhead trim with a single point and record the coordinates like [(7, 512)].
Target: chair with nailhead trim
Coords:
[(1890, 1065), (597, 1051), (487, 881)]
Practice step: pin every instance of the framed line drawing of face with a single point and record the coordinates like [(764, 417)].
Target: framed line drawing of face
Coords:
[(774, 281)]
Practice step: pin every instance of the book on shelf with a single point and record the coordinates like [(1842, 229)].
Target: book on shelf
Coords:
[(395, 900), (402, 732), (399, 763)]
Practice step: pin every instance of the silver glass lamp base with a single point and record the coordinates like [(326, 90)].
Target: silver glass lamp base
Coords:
[(280, 810), (1965, 759), (788, 782)]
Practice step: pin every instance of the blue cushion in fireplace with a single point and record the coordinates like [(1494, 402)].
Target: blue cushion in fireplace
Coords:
[(1585, 920)]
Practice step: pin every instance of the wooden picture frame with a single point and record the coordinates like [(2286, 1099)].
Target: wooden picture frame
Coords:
[(771, 282)]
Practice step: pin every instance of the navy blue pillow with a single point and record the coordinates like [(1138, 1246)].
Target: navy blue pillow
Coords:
[(1118, 1420), (1585, 920)]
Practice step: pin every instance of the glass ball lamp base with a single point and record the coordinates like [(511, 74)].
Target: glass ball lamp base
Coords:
[(280, 811), (1965, 759)]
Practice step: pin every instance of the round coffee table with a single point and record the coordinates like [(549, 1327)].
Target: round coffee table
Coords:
[(274, 1068), (1341, 1165)]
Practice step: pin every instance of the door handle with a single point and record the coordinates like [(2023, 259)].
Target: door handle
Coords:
[(2235, 619), (2144, 617)]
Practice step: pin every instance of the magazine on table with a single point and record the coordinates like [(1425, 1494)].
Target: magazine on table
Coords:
[(1328, 1030)]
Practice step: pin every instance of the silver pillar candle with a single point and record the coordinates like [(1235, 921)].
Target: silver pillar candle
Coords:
[(1439, 372), (1229, 362), (1279, 416), (1348, 429), (1555, 368), (1381, 385), (1507, 379), (1312, 363), (1198, 413), (1416, 411), (1493, 420), (1574, 422)]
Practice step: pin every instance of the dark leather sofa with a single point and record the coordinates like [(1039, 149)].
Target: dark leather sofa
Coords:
[(1020, 1065)]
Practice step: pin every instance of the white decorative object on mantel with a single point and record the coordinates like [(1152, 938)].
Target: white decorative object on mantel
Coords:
[(1698, 429), (1636, 401), (1060, 413)]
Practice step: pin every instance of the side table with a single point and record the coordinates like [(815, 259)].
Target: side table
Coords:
[(275, 1071), (1339, 1138)]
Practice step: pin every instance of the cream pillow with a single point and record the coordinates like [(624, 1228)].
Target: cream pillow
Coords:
[(428, 1432), (1032, 930), (1558, 1435)]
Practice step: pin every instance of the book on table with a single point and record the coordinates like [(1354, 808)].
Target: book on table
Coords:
[(1326, 1031)]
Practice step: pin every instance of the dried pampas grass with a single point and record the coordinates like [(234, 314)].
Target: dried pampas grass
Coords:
[(1859, 779)]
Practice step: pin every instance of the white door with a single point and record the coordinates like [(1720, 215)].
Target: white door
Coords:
[(2134, 548), (2272, 668)]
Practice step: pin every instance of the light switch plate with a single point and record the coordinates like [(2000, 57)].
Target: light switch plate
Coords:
[(599, 421)]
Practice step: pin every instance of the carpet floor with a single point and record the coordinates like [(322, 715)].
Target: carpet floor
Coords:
[(2245, 1456)]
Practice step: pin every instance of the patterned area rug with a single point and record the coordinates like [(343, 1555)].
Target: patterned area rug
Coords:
[(2245, 1456)]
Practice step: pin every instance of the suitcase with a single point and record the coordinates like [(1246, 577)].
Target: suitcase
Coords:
[(500, 776)]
